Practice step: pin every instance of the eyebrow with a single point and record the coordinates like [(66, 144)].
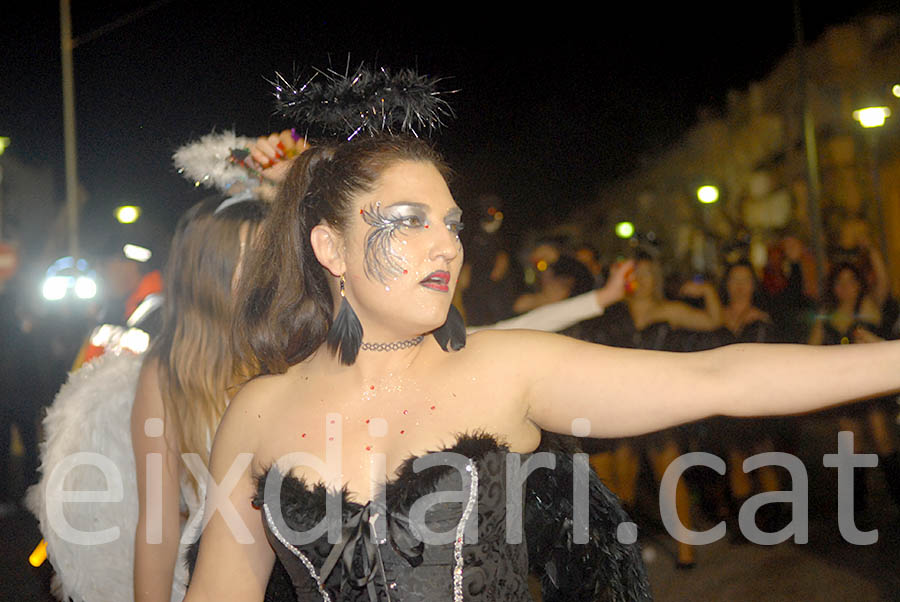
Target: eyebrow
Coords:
[(453, 212)]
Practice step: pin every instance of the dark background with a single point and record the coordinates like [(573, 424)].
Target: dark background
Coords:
[(550, 104)]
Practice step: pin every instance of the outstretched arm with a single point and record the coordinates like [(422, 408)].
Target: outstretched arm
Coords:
[(627, 392), (562, 314)]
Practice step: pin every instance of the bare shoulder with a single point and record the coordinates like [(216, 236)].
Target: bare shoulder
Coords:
[(516, 349), (147, 412), (148, 400), (259, 397), (150, 368), (247, 419), (493, 341)]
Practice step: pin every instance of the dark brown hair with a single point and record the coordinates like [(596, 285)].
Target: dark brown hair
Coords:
[(756, 298), (829, 299), (286, 307)]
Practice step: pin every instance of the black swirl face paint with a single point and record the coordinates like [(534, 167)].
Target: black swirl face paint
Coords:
[(382, 262)]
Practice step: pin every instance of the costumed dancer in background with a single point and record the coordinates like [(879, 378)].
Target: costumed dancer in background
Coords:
[(190, 368), (647, 320), (736, 439), (490, 277), (346, 305), (850, 315)]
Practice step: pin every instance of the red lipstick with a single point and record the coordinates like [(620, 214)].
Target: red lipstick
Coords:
[(438, 280)]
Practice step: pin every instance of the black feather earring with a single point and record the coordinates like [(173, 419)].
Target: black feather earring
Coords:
[(453, 332), (346, 332)]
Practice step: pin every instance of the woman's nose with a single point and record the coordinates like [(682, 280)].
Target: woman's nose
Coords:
[(445, 243)]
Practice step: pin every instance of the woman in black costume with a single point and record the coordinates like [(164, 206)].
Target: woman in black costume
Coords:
[(736, 439), (345, 307), (647, 320), (850, 315), (371, 225)]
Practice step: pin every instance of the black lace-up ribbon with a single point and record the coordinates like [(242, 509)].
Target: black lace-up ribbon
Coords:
[(359, 532)]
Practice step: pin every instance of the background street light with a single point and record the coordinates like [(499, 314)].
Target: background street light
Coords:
[(128, 214), (4, 143), (872, 117), (707, 194), (624, 229)]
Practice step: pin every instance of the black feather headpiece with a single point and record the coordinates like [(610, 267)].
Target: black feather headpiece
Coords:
[(363, 102)]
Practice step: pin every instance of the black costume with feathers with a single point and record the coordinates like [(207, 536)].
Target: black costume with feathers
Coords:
[(399, 566)]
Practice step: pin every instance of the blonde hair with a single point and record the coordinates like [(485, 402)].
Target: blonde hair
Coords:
[(193, 349)]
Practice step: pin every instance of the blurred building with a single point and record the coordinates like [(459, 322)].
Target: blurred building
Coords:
[(755, 155)]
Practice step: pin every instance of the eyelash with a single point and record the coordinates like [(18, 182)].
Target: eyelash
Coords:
[(414, 221), (456, 227), (408, 221)]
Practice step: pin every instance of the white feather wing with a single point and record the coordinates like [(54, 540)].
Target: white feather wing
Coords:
[(91, 413)]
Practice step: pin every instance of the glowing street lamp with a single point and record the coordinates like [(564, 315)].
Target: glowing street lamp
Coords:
[(707, 194), (128, 214), (4, 142), (872, 117), (624, 229)]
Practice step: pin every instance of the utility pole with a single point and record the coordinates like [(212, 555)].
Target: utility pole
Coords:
[(68, 86), (814, 192)]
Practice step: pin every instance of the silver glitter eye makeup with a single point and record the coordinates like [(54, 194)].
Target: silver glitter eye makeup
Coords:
[(382, 263), (453, 221), (455, 227)]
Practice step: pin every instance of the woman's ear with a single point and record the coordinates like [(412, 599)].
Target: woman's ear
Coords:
[(328, 246)]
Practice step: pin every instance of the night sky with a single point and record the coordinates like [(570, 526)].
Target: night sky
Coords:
[(550, 105)]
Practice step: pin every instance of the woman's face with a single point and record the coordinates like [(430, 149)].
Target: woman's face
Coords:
[(402, 252), (846, 287), (740, 284)]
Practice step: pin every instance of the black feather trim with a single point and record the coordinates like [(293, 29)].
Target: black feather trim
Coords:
[(346, 334), (303, 508), (453, 331), (601, 570), (409, 486), (363, 102)]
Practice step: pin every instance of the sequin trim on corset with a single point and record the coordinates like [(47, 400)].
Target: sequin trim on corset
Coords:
[(460, 531), (306, 562)]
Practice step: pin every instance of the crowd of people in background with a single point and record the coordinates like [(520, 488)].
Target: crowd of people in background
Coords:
[(673, 309)]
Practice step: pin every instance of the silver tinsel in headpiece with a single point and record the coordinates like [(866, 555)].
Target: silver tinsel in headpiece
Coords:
[(363, 102)]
